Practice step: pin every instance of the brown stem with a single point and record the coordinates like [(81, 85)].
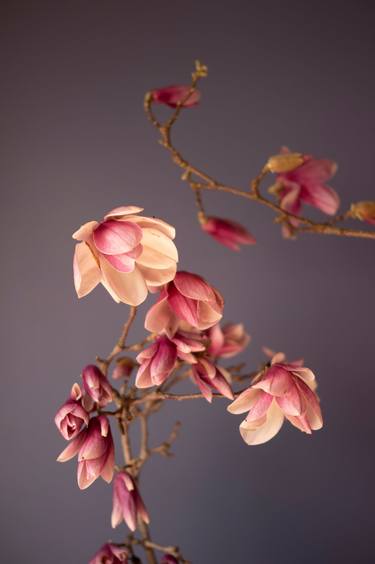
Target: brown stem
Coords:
[(120, 345)]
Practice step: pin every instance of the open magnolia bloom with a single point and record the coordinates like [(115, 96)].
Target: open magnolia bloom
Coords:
[(284, 390), (126, 252), (188, 299)]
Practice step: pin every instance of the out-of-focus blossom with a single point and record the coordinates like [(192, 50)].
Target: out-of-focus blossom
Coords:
[(176, 95), (284, 390), (72, 415), (306, 184), (229, 233), (209, 377), (169, 559), (110, 554), (364, 211), (156, 363), (124, 367), (96, 453), (227, 341), (127, 502), (188, 298), (96, 385), (126, 252)]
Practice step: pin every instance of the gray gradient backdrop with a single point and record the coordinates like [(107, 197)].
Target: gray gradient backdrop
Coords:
[(74, 144)]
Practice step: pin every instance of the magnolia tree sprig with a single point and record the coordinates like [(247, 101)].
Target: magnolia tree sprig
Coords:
[(298, 179), (132, 255)]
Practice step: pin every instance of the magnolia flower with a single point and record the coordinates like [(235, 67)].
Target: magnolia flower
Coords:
[(227, 341), (209, 377), (110, 554), (174, 96), (189, 298), (127, 502), (306, 185), (187, 344), (126, 252), (72, 415), (156, 363), (228, 233), (364, 211), (96, 453), (283, 390), (96, 385)]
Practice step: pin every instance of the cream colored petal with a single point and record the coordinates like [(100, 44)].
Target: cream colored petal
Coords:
[(155, 223), (85, 231), (123, 211), (157, 277), (255, 434), (86, 271), (129, 287), (244, 401), (207, 315), (155, 239), (152, 258)]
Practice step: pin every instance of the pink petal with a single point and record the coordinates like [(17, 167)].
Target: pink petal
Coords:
[(255, 434), (184, 308), (73, 447), (122, 263), (322, 197), (117, 237), (245, 401), (160, 317), (193, 286), (173, 95)]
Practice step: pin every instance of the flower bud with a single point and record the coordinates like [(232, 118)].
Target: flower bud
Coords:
[(285, 162), (364, 211), (96, 385), (123, 368)]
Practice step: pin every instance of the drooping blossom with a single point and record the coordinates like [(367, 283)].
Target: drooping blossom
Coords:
[(96, 385), (72, 415), (126, 252), (364, 211), (188, 298), (284, 390), (227, 341), (96, 453), (306, 184), (127, 502), (169, 559), (110, 554), (188, 344), (156, 363), (228, 233), (176, 95), (209, 377)]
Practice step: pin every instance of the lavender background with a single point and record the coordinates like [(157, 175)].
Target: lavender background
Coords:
[(74, 144)]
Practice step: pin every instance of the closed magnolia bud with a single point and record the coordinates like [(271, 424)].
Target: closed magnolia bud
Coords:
[(364, 211), (123, 368), (285, 162)]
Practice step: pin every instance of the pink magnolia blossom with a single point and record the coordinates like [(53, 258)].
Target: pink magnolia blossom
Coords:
[(72, 415), (110, 554), (188, 298), (284, 390), (229, 233), (209, 377), (306, 184), (127, 502), (96, 385), (156, 363), (126, 252), (188, 344), (176, 95), (96, 453), (227, 341)]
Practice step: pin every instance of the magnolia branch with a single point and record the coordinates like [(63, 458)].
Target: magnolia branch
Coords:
[(191, 174)]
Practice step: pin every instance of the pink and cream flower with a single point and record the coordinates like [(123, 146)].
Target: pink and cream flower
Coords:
[(126, 252), (72, 415), (110, 553), (306, 184), (284, 390), (188, 299), (228, 233), (227, 341), (127, 502), (96, 453), (209, 377)]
